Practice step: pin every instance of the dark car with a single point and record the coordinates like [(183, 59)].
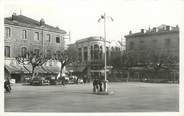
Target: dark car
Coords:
[(36, 81), (39, 81)]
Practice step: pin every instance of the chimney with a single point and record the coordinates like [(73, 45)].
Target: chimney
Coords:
[(13, 15), (42, 22), (57, 27), (130, 32), (177, 27), (167, 28), (154, 29), (142, 30)]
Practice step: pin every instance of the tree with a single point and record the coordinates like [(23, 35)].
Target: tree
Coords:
[(33, 59), (70, 55)]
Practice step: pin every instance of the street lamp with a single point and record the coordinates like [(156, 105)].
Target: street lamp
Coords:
[(104, 17)]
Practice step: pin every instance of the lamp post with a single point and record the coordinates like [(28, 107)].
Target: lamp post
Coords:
[(104, 17)]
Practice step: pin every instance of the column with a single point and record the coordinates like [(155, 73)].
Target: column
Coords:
[(89, 53), (82, 50)]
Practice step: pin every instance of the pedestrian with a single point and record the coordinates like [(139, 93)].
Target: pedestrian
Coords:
[(95, 85), (63, 81), (7, 86), (100, 84)]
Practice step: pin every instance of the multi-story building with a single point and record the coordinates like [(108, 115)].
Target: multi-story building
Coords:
[(156, 47), (91, 54), (23, 34), (162, 40)]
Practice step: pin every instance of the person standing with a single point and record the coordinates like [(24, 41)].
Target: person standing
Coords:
[(100, 84), (7, 86), (95, 85)]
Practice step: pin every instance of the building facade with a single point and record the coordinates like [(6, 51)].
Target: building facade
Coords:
[(23, 34), (154, 54), (91, 54), (159, 41)]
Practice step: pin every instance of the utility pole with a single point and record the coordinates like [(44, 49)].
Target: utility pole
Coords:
[(104, 17)]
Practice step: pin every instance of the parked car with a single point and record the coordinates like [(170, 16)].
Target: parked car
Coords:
[(36, 81), (39, 81)]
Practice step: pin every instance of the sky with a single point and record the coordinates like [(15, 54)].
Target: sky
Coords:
[(80, 17)]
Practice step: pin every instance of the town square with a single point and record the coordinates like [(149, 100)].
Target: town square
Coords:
[(92, 56)]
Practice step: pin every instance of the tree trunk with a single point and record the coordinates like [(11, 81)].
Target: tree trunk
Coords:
[(33, 68)]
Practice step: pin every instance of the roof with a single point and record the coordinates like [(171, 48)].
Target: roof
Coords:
[(91, 38), (162, 29), (21, 20)]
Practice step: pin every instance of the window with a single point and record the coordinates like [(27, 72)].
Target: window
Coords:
[(92, 54), (7, 32), (96, 52), (167, 42), (36, 36), (131, 45), (37, 51), (24, 34), (80, 54), (58, 54), (23, 52), (7, 51), (48, 53), (154, 41), (101, 51), (57, 39), (48, 37), (85, 53), (141, 45)]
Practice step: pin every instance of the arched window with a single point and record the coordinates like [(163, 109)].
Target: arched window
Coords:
[(23, 51)]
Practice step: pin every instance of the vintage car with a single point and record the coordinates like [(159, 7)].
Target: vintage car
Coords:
[(39, 81)]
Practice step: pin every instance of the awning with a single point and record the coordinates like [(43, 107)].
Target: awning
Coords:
[(137, 68), (53, 69), (40, 70), (13, 69), (102, 71)]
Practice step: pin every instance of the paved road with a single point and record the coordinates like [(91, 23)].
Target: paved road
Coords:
[(126, 97)]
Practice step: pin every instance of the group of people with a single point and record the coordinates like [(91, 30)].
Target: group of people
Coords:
[(97, 85)]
